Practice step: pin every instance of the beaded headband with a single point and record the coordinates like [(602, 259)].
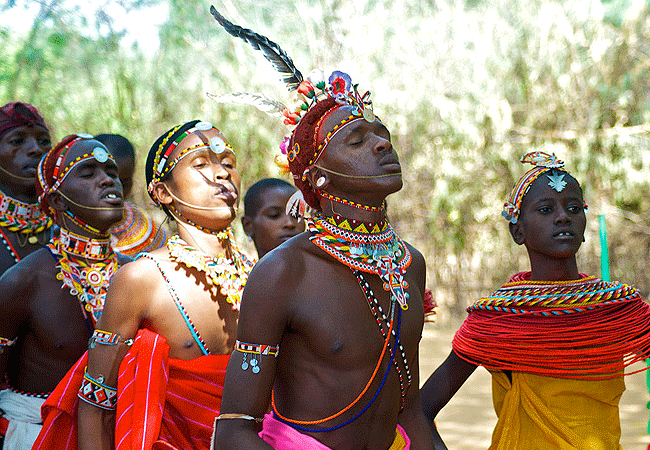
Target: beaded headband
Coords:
[(543, 163), (59, 173), (160, 167)]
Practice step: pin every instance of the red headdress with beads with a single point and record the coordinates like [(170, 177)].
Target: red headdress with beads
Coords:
[(16, 114), (52, 172), (321, 97)]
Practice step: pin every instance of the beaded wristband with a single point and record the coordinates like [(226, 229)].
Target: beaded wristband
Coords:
[(97, 394)]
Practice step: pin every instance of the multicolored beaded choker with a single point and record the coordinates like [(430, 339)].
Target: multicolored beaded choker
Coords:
[(230, 273), (376, 250), (86, 281), (137, 232), (23, 218), (84, 226), (344, 201), (581, 329), (84, 247)]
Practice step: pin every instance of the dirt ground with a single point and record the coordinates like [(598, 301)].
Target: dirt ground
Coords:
[(466, 423)]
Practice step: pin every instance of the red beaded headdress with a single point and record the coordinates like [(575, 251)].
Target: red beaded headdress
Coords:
[(321, 96), (51, 172), (16, 114)]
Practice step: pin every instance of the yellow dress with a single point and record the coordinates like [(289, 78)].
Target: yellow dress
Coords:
[(543, 413)]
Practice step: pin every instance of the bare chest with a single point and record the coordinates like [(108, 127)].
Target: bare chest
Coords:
[(191, 313)]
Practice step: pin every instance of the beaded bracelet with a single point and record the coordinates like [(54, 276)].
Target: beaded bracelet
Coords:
[(96, 393)]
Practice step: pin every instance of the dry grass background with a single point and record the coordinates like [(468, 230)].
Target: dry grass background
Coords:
[(466, 88)]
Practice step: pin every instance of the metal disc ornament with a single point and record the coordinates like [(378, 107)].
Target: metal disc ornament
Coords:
[(85, 136), (369, 115), (203, 126), (217, 145), (100, 154)]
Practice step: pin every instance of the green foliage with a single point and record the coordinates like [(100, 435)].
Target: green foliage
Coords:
[(466, 88)]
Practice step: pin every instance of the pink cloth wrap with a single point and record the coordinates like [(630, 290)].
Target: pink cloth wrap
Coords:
[(281, 436)]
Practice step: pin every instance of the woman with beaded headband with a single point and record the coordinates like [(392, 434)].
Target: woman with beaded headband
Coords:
[(50, 301), (171, 314), (344, 301), (556, 341), (24, 139)]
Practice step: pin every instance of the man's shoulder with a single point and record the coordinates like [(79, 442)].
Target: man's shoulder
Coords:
[(35, 264)]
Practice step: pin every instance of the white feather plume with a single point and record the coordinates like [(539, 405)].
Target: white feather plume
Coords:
[(260, 101)]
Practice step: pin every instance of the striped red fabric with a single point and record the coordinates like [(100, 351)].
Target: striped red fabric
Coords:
[(163, 403)]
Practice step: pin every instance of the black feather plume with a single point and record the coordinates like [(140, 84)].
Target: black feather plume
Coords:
[(272, 51)]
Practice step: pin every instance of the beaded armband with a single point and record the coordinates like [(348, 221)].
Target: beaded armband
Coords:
[(4, 342), (255, 351), (106, 338), (96, 393)]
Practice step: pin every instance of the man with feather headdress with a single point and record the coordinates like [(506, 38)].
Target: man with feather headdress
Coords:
[(331, 320)]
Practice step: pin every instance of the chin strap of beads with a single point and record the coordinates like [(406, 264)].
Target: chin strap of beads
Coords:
[(256, 351), (95, 392)]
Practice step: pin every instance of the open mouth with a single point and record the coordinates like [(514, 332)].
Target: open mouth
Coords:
[(563, 234), (113, 198)]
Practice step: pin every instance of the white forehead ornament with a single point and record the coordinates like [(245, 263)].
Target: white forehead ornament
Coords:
[(100, 154), (217, 145), (557, 181)]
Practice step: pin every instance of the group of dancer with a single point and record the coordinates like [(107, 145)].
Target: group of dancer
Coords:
[(196, 345)]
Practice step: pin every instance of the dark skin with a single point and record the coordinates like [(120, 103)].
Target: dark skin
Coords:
[(271, 225), (551, 226), (329, 340), (51, 329), (138, 296), (21, 148)]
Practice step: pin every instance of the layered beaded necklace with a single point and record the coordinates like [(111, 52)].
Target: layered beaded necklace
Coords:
[(228, 272), (86, 281), (25, 219), (371, 248)]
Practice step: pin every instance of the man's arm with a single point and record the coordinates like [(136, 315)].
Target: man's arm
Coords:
[(123, 311), (14, 307), (262, 320), (443, 384)]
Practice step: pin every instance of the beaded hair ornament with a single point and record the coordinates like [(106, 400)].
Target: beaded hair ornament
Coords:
[(543, 163), (161, 167), (321, 96)]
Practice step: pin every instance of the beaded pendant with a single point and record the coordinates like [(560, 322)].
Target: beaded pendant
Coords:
[(371, 248), (230, 274), (88, 282)]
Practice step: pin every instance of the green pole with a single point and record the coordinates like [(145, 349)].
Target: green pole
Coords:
[(604, 253), (647, 381)]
